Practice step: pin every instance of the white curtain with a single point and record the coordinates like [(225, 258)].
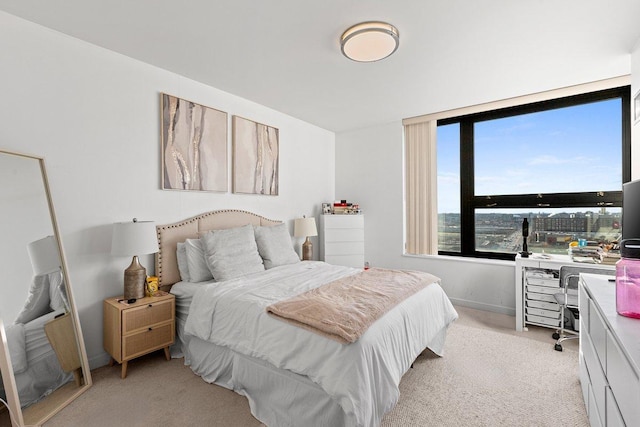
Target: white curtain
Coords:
[(421, 188)]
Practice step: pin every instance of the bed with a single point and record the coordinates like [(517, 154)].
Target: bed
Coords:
[(36, 366), (291, 376)]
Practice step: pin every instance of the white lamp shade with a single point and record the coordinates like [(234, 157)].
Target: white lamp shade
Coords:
[(305, 227), (370, 41), (44, 255), (134, 238)]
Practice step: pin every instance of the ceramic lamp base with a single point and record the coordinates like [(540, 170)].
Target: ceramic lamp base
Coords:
[(135, 277), (307, 250)]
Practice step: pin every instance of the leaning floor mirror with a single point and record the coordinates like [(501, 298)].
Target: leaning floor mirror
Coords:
[(42, 356)]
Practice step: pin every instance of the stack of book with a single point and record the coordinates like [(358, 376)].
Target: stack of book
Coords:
[(588, 254), (342, 207)]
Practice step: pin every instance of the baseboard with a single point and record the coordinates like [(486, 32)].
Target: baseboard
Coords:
[(99, 361), (485, 307)]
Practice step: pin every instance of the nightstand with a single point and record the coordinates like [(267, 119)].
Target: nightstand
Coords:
[(133, 330), (62, 337)]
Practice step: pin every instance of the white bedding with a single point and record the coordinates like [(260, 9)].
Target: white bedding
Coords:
[(43, 374), (362, 377)]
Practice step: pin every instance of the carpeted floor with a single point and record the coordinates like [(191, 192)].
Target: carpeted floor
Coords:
[(490, 375)]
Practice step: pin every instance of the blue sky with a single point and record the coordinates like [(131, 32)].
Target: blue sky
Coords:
[(563, 150)]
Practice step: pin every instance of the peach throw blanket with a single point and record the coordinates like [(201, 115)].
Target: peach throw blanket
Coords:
[(344, 309)]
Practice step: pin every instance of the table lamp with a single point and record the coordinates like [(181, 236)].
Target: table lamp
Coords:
[(44, 255), (132, 239), (305, 227)]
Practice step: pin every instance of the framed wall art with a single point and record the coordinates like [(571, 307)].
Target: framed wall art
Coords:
[(255, 157), (194, 146)]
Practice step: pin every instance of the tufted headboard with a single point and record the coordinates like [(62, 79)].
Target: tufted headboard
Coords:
[(192, 228)]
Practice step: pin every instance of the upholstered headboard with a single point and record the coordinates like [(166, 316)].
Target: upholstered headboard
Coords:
[(191, 228)]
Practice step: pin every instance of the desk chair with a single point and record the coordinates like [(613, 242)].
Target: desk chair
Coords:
[(568, 298)]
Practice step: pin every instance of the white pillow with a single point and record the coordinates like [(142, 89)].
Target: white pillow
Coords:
[(232, 253), (274, 246), (17, 347), (196, 264), (57, 292), (183, 267), (37, 303)]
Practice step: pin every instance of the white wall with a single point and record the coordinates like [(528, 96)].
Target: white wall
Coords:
[(94, 116), (369, 171)]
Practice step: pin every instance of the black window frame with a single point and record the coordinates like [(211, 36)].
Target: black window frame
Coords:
[(469, 202)]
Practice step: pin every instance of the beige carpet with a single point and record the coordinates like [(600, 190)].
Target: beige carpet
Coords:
[(489, 376)]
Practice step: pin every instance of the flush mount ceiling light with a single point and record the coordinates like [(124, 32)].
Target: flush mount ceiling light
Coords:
[(369, 41)]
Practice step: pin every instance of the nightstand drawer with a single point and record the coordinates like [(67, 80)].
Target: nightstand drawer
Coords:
[(144, 316), (143, 342)]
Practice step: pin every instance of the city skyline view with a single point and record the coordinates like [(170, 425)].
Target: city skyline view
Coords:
[(564, 150)]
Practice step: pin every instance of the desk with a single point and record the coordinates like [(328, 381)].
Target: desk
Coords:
[(539, 307)]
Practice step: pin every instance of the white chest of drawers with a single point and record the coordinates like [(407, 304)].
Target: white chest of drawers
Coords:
[(342, 239), (609, 356)]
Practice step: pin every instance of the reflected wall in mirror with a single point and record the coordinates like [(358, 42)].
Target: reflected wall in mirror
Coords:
[(42, 357)]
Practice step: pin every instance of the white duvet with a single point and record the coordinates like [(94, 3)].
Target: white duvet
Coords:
[(362, 377)]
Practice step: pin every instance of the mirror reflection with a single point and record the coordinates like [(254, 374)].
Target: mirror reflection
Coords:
[(34, 305)]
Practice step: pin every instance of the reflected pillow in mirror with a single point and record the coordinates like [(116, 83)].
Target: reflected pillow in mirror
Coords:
[(274, 246), (57, 292), (37, 303), (232, 252), (183, 267), (196, 264), (17, 347)]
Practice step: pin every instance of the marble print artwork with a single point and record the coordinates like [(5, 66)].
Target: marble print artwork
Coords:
[(194, 146), (255, 157)]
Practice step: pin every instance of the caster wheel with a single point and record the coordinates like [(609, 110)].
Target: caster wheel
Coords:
[(555, 336), (557, 347)]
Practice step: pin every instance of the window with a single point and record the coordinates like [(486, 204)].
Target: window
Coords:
[(560, 164)]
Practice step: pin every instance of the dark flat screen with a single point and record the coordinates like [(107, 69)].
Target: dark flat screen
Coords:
[(631, 210)]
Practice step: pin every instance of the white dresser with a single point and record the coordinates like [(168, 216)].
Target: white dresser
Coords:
[(342, 239), (609, 356)]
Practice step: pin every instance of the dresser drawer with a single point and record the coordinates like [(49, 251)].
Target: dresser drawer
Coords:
[(596, 377), (532, 318), (534, 296), (543, 290), (552, 306), (555, 315), (594, 414), (145, 341), (343, 221), (584, 380), (356, 261), (144, 316), (624, 382), (344, 235), (598, 333), (344, 248), (614, 417), (583, 303)]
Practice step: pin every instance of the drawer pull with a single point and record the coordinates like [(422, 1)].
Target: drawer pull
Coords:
[(150, 305), (150, 329)]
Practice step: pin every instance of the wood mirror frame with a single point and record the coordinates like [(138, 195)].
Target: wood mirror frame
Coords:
[(60, 329)]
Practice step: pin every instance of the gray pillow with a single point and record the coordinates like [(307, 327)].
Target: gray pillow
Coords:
[(57, 292), (181, 255), (37, 303), (232, 253), (17, 347), (274, 246), (197, 265)]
